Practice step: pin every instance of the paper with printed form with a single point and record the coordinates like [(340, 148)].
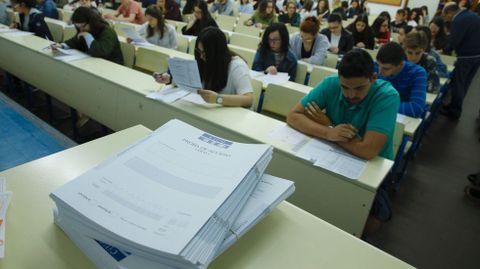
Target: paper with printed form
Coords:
[(185, 73), (5, 198), (288, 135), (269, 192), (333, 158), (68, 55), (132, 34), (181, 176), (402, 118)]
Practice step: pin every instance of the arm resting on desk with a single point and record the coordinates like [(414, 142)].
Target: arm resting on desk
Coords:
[(367, 148)]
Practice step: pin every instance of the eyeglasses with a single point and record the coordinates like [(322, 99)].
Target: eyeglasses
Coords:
[(274, 40), (80, 25)]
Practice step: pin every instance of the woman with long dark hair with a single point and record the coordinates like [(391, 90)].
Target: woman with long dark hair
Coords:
[(439, 37), (362, 33), (264, 15), (225, 76), (156, 30), (202, 19), (273, 54), (94, 36), (381, 30)]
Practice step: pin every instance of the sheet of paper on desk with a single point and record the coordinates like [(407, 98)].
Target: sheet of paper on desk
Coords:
[(70, 55), (185, 73), (168, 94), (132, 34), (195, 98), (255, 74), (7, 30), (341, 163), (18, 33), (333, 158), (288, 135), (279, 78)]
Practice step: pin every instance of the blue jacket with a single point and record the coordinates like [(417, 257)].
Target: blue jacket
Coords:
[(49, 9), (36, 25), (288, 65), (464, 35)]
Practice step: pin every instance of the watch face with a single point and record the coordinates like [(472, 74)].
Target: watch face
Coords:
[(219, 100)]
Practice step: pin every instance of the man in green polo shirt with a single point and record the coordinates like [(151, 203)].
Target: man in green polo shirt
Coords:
[(361, 110)]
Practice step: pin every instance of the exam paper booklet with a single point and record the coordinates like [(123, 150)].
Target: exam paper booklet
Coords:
[(5, 197), (136, 38), (332, 157), (321, 153), (68, 55), (168, 94), (171, 198), (270, 192), (185, 73)]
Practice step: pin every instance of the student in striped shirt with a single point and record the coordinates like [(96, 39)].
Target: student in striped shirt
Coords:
[(410, 80)]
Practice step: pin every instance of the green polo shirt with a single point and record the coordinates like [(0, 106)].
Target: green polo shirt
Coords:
[(377, 112)]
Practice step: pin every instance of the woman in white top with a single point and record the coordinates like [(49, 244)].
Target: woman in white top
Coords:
[(225, 77), (156, 30)]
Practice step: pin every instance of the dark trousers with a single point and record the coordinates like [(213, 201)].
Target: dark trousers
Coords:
[(465, 70)]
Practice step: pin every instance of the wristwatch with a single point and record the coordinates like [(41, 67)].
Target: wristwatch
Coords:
[(219, 99)]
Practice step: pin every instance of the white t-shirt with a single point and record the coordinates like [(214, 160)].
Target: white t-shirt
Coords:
[(334, 40), (238, 81)]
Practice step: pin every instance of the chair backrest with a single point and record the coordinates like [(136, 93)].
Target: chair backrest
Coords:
[(226, 22), (247, 54), (152, 59), (248, 30), (179, 26), (236, 5), (447, 59), (56, 29), (398, 137), (257, 86), (60, 14), (67, 15), (243, 17), (372, 53), (128, 52), (245, 41), (69, 32), (191, 46), (331, 60), (319, 73), (182, 43), (12, 16), (292, 29), (301, 74), (280, 100)]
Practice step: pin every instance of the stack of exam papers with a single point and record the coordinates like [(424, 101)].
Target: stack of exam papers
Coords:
[(175, 199), (5, 197)]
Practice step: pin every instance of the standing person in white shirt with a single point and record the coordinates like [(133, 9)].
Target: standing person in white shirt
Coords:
[(156, 30), (225, 76)]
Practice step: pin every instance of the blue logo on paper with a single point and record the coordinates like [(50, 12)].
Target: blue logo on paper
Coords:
[(117, 254), (213, 140)]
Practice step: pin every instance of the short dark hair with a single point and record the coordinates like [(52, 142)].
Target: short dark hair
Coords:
[(391, 53), (335, 17), (451, 8), (91, 17), (356, 63), (27, 3), (401, 11)]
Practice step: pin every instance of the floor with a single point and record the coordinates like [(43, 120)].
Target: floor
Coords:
[(434, 225), (24, 137)]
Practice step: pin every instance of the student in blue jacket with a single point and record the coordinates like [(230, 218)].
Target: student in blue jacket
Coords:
[(273, 54), (31, 19)]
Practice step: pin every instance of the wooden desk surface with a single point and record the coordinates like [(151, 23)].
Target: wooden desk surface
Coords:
[(288, 238)]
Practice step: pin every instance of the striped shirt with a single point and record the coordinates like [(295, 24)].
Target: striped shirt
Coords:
[(411, 84)]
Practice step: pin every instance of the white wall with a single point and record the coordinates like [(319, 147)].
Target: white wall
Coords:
[(378, 8)]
